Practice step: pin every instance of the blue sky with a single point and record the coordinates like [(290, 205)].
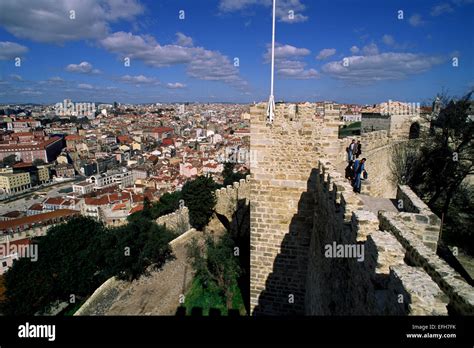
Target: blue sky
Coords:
[(343, 50)]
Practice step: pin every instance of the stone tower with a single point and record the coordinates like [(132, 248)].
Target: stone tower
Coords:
[(284, 155)]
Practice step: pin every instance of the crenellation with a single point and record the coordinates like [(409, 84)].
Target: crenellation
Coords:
[(419, 254)]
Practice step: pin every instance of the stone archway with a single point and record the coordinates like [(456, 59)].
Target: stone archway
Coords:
[(414, 131)]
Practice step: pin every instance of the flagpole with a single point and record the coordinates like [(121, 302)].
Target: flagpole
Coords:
[(271, 100)]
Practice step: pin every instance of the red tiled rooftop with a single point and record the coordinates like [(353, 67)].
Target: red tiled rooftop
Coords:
[(167, 141), (161, 129), (54, 200), (119, 206), (36, 219), (36, 206), (12, 214), (73, 137), (29, 146), (135, 209), (22, 165)]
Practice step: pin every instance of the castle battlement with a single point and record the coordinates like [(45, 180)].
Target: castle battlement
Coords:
[(301, 204), (400, 273)]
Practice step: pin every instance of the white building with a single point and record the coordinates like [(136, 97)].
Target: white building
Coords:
[(83, 187), (123, 178), (352, 117)]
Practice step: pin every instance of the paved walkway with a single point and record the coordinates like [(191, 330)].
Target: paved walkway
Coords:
[(371, 203), (374, 204)]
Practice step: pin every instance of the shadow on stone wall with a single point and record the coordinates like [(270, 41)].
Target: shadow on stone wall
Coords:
[(303, 281), (285, 286), (239, 228)]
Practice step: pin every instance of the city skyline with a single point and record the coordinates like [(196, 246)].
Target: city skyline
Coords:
[(218, 51)]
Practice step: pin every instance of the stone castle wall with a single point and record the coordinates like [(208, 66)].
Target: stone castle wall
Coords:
[(226, 203), (177, 221), (399, 275), (228, 197), (283, 155), (377, 148), (300, 203), (396, 125), (371, 123)]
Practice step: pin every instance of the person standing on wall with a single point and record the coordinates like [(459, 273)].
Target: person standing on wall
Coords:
[(349, 171), (358, 149), (359, 170), (351, 151)]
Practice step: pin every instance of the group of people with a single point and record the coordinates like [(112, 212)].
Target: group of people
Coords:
[(354, 150), (355, 169)]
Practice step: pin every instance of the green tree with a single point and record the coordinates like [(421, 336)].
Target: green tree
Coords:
[(436, 167), (133, 248), (38, 162), (168, 203), (77, 256), (200, 198), (9, 161), (215, 263), (228, 169), (66, 264), (229, 175)]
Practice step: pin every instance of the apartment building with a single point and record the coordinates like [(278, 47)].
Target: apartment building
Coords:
[(14, 183)]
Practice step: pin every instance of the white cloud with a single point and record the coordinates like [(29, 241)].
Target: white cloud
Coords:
[(55, 79), (448, 7), (326, 53), (214, 66), (283, 11), (49, 20), (370, 49), (440, 9), (138, 79), (16, 77), (200, 63), (11, 50), (388, 40), (416, 20), (237, 5), (383, 66), (183, 40), (30, 92), (354, 49), (286, 51), (85, 86), (283, 8), (82, 68), (146, 49), (175, 85), (289, 62), (290, 70)]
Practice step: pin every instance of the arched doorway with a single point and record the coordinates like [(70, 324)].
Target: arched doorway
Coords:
[(414, 131)]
